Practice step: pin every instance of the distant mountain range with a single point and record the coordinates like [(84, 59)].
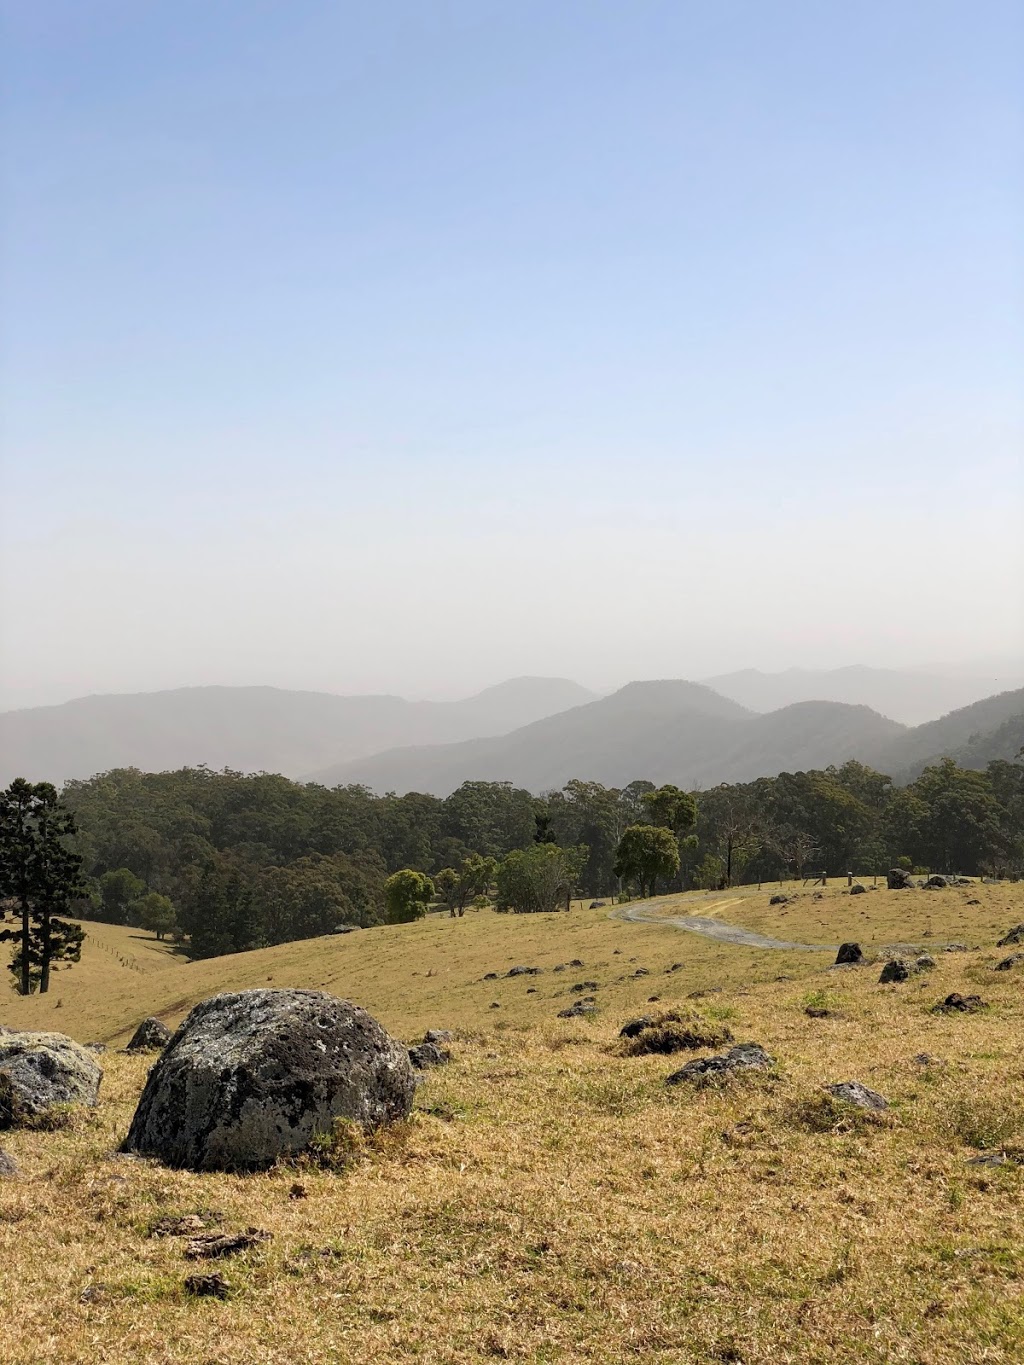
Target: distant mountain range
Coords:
[(536, 732), (688, 734), (254, 729), (904, 695)]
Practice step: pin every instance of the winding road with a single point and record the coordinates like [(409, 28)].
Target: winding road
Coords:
[(645, 912)]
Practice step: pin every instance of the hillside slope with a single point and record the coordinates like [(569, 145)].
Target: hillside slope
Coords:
[(666, 731), (972, 729), (254, 729)]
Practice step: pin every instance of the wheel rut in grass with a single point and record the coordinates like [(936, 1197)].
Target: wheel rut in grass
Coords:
[(644, 912)]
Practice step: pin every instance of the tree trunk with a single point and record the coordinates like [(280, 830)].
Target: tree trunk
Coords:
[(44, 975), (26, 939)]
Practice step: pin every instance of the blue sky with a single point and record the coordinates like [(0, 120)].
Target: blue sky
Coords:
[(409, 346)]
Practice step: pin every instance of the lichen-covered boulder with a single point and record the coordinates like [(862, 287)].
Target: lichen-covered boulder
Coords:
[(41, 1071), (252, 1076), (152, 1035)]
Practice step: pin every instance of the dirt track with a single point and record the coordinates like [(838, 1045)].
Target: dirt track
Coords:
[(644, 912)]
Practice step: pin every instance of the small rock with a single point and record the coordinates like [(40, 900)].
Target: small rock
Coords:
[(213, 1286), (642, 971), (187, 1225), (495, 1005), (852, 1092), (93, 1293), (1013, 937), (924, 963), (636, 1026), (577, 963), (960, 1004), (857, 890), (676, 967), (95, 1047), (652, 999), (779, 899), (8, 1166), (523, 971), (579, 986), (298, 1190), (849, 952), (491, 976), (955, 948), (936, 883), (438, 1035), (989, 1159), (579, 1010), (425, 1055), (925, 1059), (742, 1057), (211, 1246), (816, 1012), (597, 905), (896, 970), (152, 1035), (1008, 963), (710, 990)]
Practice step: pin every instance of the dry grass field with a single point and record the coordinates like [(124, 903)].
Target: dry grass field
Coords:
[(551, 1199)]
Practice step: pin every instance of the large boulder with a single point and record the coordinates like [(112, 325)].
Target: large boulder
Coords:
[(252, 1076), (41, 1071), (899, 880), (152, 1035)]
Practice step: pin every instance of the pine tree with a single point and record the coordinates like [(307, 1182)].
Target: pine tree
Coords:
[(42, 876)]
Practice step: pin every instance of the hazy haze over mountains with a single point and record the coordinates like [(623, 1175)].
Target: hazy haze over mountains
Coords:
[(535, 731)]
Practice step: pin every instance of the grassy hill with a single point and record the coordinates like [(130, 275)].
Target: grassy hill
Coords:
[(552, 1199)]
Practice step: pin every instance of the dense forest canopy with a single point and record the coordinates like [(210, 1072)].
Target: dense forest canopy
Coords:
[(250, 860)]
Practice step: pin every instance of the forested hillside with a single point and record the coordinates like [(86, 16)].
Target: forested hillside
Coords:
[(251, 860)]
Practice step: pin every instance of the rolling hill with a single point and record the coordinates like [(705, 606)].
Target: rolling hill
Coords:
[(665, 731), (973, 735), (254, 729)]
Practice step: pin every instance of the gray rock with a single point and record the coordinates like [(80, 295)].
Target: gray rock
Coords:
[(857, 890), (45, 1070), (898, 880), (597, 905), (1014, 936), (896, 970), (742, 1057), (849, 952), (1008, 963), (579, 1010), (490, 976), (9, 1168), (779, 899), (636, 1026), (523, 971), (852, 1092), (924, 963), (960, 1004), (95, 1047), (438, 1035), (425, 1055), (152, 1035), (936, 883), (251, 1076), (955, 948)]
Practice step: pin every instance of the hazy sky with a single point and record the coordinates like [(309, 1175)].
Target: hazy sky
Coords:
[(411, 345)]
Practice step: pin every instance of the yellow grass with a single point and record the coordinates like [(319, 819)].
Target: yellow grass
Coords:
[(551, 1199)]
